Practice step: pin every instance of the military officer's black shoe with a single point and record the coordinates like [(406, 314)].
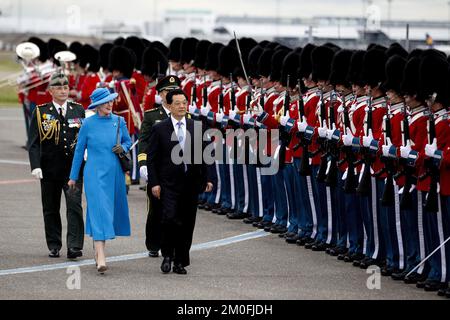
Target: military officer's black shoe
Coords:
[(54, 253), (278, 229), (441, 291), (178, 268), (320, 246), (73, 253), (153, 253), (386, 271), (292, 239), (166, 265)]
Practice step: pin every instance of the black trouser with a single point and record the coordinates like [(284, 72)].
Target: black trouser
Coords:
[(178, 229), (51, 202), (153, 225)]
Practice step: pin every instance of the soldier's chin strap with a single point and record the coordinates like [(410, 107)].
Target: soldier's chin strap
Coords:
[(425, 259)]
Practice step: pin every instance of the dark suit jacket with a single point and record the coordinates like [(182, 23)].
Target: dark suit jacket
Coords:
[(179, 189), (54, 156)]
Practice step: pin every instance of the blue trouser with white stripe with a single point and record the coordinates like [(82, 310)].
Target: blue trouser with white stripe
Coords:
[(281, 205), (414, 236), (303, 191), (434, 236), (398, 260), (326, 225), (225, 194), (445, 207), (354, 222), (371, 214), (315, 205), (254, 189), (268, 198), (289, 175), (342, 229)]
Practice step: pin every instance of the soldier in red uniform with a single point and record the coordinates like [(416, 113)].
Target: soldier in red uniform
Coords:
[(187, 55)]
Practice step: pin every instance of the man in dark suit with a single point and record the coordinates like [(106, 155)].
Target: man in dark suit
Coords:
[(152, 227), (53, 134), (177, 184)]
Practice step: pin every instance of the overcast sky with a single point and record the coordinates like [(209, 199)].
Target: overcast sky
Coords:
[(144, 9)]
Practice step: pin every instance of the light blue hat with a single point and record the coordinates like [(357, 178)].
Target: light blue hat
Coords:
[(101, 96)]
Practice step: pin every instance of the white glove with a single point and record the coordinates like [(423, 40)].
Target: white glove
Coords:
[(301, 125), (367, 139), (347, 139), (247, 118), (385, 149), (405, 150), (158, 99), (329, 133), (231, 114), (430, 149), (192, 109), (284, 120), (37, 173), (219, 117), (322, 132), (143, 172), (204, 111)]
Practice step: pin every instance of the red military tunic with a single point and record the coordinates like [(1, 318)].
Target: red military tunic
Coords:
[(89, 85)]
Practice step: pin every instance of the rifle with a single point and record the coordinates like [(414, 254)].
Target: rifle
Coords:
[(332, 146), (262, 97), (305, 167), (388, 197), (364, 185), (194, 92), (408, 171), (221, 98), (322, 172), (350, 183), (205, 92), (431, 203), (285, 137)]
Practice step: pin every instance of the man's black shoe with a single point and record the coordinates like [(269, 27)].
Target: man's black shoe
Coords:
[(278, 229), (54, 253), (301, 241), (309, 245), (237, 215), (442, 290), (399, 275), (414, 278), (432, 286), (386, 271), (370, 262), (251, 219), (178, 268), (336, 251), (153, 253), (166, 265), (447, 293), (320, 247), (292, 239), (264, 225), (73, 253)]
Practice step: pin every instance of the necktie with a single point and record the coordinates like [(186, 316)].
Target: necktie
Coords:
[(180, 135), (61, 113)]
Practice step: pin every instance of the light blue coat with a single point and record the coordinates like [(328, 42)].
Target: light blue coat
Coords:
[(104, 180)]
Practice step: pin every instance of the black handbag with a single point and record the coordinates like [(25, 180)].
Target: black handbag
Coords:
[(124, 157)]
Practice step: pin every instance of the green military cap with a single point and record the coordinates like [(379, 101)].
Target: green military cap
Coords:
[(58, 79), (168, 83)]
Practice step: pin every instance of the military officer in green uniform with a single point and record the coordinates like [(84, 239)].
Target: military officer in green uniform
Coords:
[(152, 228), (53, 134)]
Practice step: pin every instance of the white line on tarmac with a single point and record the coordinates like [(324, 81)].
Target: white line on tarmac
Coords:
[(196, 247), (25, 163)]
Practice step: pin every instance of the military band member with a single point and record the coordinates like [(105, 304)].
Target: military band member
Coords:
[(53, 134)]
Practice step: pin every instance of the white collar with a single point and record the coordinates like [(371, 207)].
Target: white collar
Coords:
[(63, 106), (175, 121)]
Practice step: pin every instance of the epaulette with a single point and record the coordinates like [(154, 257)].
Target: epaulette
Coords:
[(40, 105), (73, 102), (151, 110)]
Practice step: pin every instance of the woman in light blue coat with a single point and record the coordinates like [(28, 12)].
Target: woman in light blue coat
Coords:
[(104, 180)]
